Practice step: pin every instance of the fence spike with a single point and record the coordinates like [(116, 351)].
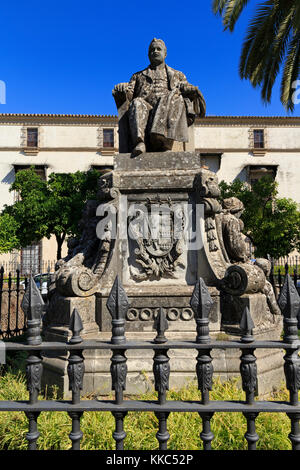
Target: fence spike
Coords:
[(247, 326), (201, 303), (289, 304), (76, 327), (117, 305), (160, 325), (117, 302), (32, 306)]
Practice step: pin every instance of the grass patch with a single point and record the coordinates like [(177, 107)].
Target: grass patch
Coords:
[(141, 428)]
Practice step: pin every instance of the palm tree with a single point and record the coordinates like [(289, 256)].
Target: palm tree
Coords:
[(272, 41)]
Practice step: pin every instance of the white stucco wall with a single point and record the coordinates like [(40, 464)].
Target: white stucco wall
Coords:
[(71, 144), (218, 137), (69, 136)]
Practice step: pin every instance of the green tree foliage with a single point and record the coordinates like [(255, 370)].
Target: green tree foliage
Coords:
[(272, 223), (51, 207), (8, 233), (272, 44)]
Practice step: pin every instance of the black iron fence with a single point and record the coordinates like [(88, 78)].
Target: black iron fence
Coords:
[(117, 305), (282, 266), (12, 319), (31, 267), (12, 288)]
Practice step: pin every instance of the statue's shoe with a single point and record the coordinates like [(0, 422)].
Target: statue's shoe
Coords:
[(138, 149)]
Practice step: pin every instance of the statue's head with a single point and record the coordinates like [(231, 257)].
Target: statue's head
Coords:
[(207, 185), (264, 264), (233, 205), (157, 51)]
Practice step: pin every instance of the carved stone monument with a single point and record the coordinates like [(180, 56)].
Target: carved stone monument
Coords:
[(160, 225)]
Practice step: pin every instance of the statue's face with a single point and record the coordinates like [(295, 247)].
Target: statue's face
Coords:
[(157, 53)]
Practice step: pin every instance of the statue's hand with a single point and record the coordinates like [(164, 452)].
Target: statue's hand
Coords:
[(120, 88), (190, 91)]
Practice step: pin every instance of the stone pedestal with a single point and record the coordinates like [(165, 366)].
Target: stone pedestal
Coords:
[(161, 271)]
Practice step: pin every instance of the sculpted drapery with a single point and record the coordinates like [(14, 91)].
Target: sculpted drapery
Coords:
[(161, 103)]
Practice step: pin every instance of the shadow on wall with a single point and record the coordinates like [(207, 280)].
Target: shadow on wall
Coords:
[(9, 178)]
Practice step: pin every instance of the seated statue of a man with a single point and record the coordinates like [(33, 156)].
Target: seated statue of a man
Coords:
[(162, 104)]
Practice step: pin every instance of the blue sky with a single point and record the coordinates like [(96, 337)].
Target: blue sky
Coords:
[(66, 56)]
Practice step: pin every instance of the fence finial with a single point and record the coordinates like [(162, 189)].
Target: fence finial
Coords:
[(247, 326), (201, 303), (289, 304), (160, 325), (32, 306), (76, 327), (117, 304)]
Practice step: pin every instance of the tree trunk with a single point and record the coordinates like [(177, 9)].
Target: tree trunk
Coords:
[(59, 239)]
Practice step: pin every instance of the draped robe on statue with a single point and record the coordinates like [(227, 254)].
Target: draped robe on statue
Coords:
[(158, 107)]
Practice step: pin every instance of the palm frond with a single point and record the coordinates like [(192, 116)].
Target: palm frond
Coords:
[(291, 72), (276, 56), (257, 40), (266, 44), (272, 39), (230, 10), (218, 6)]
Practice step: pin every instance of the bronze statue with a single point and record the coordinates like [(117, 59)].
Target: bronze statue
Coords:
[(160, 104)]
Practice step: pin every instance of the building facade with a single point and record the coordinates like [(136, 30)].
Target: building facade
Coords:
[(233, 147)]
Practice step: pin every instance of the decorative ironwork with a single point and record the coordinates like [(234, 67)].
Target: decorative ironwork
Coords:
[(294, 435), (204, 371), (33, 434), (32, 305), (119, 434), (248, 366), (251, 436), (201, 303), (161, 371), (206, 434), (162, 435), (289, 304), (117, 304), (76, 361), (292, 374), (76, 434), (160, 325), (247, 326), (34, 371), (118, 370)]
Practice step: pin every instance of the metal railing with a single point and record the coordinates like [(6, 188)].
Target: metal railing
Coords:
[(117, 305), (279, 269), (12, 288), (13, 266)]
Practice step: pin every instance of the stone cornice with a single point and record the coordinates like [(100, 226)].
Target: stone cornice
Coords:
[(238, 121), (58, 119), (212, 151), (113, 119), (58, 149)]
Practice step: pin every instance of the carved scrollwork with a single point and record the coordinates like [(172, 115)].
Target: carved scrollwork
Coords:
[(80, 272)]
